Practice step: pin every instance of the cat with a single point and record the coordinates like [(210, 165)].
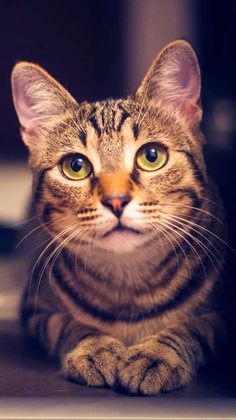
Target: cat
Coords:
[(123, 292)]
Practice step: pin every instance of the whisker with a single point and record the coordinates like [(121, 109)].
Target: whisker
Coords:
[(42, 226), (220, 205), (157, 211), (24, 222), (77, 252), (195, 208), (56, 255), (51, 255), (52, 240), (195, 230), (171, 225), (178, 244), (200, 243), (202, 228), (27, 235)]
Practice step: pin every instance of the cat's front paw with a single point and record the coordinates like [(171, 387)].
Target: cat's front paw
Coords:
[(150, 367), (94, 361)]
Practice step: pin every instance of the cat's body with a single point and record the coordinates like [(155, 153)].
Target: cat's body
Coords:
[(124, 294)]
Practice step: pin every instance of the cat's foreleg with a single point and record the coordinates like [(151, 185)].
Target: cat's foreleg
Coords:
[(87, 355), (168, 360)]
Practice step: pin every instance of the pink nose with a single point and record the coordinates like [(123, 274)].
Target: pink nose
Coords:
[(116, 204)]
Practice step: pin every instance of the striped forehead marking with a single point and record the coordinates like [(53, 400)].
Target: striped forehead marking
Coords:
[(107, 117)]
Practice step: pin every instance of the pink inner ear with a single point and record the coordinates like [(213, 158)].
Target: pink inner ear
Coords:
[(189, 91), (187, 80), (184, 77), (180, 85), (24, 110)]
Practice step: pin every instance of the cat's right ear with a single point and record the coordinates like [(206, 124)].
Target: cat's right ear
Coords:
[(174, 82), (39, 102)]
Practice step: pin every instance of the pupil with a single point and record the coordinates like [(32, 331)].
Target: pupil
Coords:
[(76, 164), (151, 155)]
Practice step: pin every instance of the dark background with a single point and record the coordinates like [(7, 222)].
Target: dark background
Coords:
[(83, 44), (79, 42)]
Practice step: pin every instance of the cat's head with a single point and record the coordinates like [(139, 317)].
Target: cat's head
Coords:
[(115, 173)]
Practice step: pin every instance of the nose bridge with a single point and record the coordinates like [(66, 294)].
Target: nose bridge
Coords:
[(115, 184)]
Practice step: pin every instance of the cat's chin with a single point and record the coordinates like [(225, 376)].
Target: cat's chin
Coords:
[(122, 242)]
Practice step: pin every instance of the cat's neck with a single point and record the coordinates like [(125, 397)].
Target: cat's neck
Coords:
[(122, 269)]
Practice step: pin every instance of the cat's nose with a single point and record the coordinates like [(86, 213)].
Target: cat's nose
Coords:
[(116, 203)]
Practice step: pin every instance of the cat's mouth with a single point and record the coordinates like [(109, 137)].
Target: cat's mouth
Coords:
[(121, 228), (122, 239)]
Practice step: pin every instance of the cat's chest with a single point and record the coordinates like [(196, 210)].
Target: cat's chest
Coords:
[(121, 274), (109, 298)]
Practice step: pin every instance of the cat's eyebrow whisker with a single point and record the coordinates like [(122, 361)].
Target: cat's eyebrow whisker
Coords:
[(141, 109), (77, 123), (143, 116)]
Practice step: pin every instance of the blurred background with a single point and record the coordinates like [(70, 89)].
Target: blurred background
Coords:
[(102, 48)]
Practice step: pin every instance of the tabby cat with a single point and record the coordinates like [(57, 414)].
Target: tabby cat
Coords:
[(123, 290)]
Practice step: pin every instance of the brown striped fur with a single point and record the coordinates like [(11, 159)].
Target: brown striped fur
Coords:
[(133, 309)]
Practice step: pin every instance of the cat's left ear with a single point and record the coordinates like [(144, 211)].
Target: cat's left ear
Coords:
[(174, 80), (40, 101)]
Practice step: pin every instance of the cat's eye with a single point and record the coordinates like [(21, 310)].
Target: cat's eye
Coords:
[(76, 167), (151, 156)]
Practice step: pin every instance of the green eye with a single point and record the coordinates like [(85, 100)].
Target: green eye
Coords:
[(76, 167), (151, 157)]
